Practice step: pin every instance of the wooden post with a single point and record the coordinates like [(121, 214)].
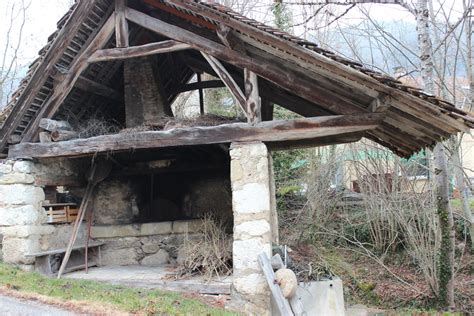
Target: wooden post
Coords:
[(121, 24), (201, 94), (252, 98)]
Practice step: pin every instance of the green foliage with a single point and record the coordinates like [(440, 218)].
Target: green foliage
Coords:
[(282, 16), (129, 299), (216, 103)]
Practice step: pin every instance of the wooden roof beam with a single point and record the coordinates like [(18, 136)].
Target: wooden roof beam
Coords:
[(121, 25), (114, 54), (86, 84), (227, 80), (282, 132)]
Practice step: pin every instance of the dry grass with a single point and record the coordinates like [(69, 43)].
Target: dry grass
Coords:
[(209, 255)]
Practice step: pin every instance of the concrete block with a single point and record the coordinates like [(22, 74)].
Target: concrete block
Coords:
[(322, 297)]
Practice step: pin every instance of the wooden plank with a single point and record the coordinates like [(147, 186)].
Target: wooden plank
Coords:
[(273, 131), (121, 24), (280, 301), (63, 250), (227, 80), (63, 39), (252, 97), (62, 88), (113, 54)]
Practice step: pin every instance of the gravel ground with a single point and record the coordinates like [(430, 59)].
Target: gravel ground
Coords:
[(10, 306)]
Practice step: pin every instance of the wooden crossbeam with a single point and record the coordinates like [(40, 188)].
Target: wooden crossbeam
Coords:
[(113, 54), (314, 130), (227, 80)]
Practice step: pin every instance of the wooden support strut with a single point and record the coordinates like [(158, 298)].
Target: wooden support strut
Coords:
[(252, 98), (121, 24), (228, 80)]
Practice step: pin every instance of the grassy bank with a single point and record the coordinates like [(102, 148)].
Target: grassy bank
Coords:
[(135, 301)]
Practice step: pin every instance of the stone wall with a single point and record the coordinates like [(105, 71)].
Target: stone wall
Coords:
[(254, 219), (22, 218), (150, 244)]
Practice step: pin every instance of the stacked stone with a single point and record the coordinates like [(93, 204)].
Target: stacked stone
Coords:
[(21, 214), (252, 206)]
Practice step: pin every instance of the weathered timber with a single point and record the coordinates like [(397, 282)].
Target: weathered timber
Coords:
[(113, 54), (227, 79), (282, 132), (88, 85), (60, 135), (121, 24), (208, 84), (62, 89), (65, 36), (267, 109), (201, 94), (45, 137), (252, 97), (268, 70), (52, 125)]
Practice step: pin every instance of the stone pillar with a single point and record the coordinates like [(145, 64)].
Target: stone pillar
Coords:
[(253, 207), (21, 214)]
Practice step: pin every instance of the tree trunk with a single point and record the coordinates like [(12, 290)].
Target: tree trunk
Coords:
[(445, 215)]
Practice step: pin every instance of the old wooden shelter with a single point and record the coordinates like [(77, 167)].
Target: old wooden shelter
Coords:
[(127, 62)]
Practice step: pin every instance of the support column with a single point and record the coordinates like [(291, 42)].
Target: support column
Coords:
[(253, 224), (21, 214)]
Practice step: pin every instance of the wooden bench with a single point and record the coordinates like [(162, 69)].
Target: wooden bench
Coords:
[(48, 262)]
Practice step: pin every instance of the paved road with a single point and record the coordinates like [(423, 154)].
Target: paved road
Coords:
[(10, 306)]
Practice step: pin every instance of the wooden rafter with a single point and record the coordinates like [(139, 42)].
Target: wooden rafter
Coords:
[(227, 80), (63, 87), (324, 129), (113, 54)]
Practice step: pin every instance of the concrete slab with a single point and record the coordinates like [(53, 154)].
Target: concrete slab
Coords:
[(162, 278)]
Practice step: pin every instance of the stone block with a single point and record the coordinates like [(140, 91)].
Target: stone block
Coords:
[(253, 229), (21, 215), (160, 228), (160, 258), (16, 178), (245, 254), (5, 168), (23, 166), (21, 194), (251, 284), (188, 226), (118, 257), (150, 248), (15, 249), (252, 198), (27, 231)]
